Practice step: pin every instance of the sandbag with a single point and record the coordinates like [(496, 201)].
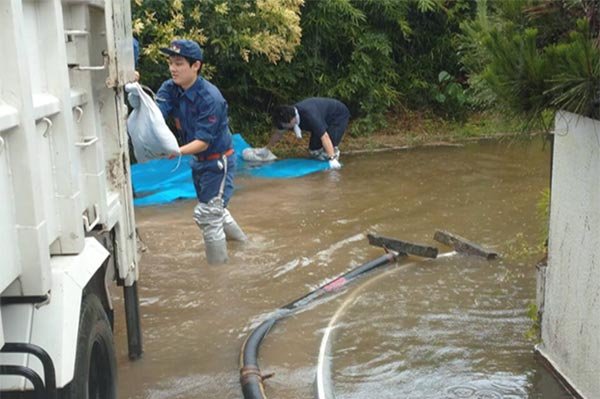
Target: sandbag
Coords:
[(150, 135), (258, 155)]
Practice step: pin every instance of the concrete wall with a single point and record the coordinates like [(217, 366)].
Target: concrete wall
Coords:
[(571, 318)]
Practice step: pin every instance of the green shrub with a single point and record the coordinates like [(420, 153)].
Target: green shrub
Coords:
[(370, 54), (531, 57)]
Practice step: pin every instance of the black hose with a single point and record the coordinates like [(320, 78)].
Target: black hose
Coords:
[(251, 378)]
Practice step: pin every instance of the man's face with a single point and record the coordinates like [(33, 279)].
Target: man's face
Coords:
[(182, 72)]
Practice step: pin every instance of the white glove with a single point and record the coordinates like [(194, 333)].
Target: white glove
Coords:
[(134, 99), (335, 164)]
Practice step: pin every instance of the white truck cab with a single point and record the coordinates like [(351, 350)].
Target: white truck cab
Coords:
[(67, 228)]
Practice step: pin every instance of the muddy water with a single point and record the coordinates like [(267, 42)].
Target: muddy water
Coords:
[(448, 328)]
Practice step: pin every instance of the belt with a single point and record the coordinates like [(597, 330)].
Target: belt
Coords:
[(211, 157)]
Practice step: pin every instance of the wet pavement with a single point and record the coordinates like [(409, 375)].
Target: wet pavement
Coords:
[(452, 327)]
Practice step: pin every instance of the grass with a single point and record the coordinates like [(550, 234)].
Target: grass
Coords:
[(413, 129)]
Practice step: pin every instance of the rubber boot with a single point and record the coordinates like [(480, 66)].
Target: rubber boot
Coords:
[(318, 154), (209, 217), (216, 252), (233, 232)]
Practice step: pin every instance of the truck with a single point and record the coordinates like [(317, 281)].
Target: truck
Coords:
[(67, 226)]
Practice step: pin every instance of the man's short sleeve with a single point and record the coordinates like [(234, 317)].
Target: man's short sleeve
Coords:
[(314, 123), (206, 125), (313, 113), (136, 52)]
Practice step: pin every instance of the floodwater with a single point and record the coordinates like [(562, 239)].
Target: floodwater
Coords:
[(454, 327)]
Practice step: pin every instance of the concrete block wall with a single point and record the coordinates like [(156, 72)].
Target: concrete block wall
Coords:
[(571, 317)]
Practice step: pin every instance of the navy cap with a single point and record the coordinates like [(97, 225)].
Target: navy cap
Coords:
[(184, 48)]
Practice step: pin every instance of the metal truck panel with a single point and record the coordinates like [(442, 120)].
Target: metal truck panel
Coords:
[(17, 321), (8, 232), (29, 322), (25, 219), (1, 330), (64, 168)]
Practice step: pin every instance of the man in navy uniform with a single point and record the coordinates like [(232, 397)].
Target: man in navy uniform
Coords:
[(200, 114), (325, 118)]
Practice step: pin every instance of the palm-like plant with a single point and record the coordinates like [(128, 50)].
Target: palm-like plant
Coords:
[(575, 85), (547, 59)]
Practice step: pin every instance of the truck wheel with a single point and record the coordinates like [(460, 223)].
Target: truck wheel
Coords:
[(95, 375)]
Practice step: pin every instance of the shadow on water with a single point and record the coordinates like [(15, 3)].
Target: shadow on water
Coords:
[(451, 328)]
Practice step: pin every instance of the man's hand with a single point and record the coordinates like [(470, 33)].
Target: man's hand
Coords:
[(134, 100), (335, 164), (174, 154)]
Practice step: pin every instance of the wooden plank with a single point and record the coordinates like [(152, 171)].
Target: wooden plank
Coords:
[(462, 245), (403, 247)]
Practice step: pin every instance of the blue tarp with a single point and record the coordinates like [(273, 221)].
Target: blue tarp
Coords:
[(160, 181)]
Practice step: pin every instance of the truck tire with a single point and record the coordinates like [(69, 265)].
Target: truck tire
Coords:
[(95, 375)]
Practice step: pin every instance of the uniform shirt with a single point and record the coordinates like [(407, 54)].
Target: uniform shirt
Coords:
[(319, 115), (136, 52), (200, 113)]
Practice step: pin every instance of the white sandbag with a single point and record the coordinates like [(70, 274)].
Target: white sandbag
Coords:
[(258, 155), (150, 135)]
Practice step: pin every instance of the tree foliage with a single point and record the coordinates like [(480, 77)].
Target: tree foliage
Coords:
[(374, 55), (530, 56)]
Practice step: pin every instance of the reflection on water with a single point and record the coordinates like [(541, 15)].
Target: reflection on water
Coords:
[(449, 328)]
